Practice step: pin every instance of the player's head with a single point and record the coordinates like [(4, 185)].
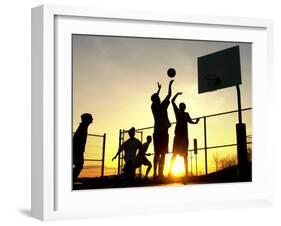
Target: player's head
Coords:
[(182, 106), (86, 118), (155, 98), (132, 132), (148, 139)]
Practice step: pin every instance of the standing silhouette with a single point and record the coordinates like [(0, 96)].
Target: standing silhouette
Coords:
[(161, 126), (79, 143), (141, 156), (180, 146), (130, 147)]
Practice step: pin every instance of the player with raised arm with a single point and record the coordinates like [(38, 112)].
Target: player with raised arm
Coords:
[(161, 126), (180, 146)]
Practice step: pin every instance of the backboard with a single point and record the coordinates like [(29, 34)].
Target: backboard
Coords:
[(219, 70)]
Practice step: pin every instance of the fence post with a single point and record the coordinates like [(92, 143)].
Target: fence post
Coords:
[(103, 154), (191, 158), (195, 153), (119, 155), (205, 145), (140, 169), (122, 153)]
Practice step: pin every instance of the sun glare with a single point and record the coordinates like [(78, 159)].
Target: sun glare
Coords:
[(178, 167)]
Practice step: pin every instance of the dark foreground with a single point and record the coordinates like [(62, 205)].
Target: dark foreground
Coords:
[(228, 175)]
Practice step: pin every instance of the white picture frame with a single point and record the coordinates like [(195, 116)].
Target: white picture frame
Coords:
[(52, 197)]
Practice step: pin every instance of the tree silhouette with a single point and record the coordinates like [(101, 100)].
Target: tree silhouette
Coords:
[(216, 158)]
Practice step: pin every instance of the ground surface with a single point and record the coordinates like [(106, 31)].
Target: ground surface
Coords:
[(227, 175)]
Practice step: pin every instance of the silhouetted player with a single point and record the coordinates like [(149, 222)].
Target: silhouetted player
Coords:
[(141, 156), (130, 147), (79, 142), (180, 146), (161, 126)]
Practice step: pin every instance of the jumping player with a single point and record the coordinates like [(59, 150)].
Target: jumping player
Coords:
[(180, 146), (161, 126)]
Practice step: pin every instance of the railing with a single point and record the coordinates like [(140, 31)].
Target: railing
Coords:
[(94, 152), (204, 139)]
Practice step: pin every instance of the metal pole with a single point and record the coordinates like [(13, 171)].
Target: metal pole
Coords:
[(241, 141), (196, 165), (191, 157), (103, 154), (122, 153), (140, 170), (119, 155), (195, 153), (205, 146), (239, 104)]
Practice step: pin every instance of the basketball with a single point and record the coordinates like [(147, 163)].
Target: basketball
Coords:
[(171, 72)]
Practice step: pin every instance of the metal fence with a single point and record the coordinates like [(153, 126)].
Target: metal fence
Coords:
[(94, 156), (211, 155)]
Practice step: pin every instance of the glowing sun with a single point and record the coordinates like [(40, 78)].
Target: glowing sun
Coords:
[(178, 168)]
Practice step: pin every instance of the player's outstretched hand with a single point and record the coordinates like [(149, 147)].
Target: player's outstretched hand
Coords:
[(159, 85)]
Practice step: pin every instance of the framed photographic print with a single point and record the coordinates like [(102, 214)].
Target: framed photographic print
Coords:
[(136, 112)]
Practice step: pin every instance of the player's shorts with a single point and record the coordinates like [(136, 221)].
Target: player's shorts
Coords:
[(143, 161), (161, 141), (180, 145)]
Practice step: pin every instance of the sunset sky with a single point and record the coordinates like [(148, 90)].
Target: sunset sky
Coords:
[(114, 78)]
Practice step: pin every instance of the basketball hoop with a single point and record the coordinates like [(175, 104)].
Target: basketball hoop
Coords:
[(219, 70)]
